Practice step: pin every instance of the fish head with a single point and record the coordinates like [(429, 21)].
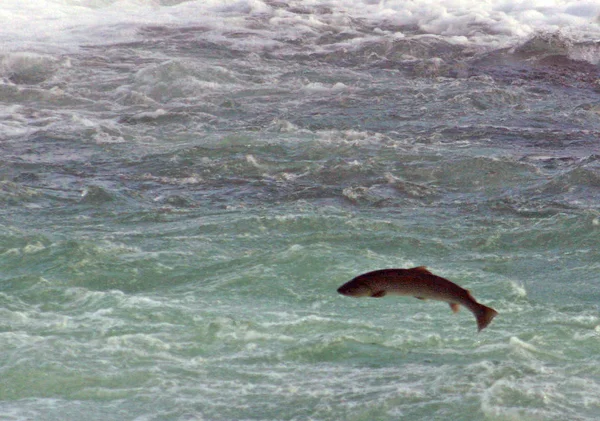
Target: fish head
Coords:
[(356, 288)]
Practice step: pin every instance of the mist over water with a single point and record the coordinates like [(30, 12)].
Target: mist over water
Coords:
[(185, 184)]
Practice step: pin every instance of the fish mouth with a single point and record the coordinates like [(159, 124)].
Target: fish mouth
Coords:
[(342, 290), (348, 292), (353, 292)]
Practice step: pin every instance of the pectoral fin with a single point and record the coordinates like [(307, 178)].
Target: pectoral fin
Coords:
[(378, 294), (455, 307)]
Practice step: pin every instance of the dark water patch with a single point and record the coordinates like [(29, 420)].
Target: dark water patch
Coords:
[(24, 68), (543, 45), (96, 195), (527, 205), (425, 56), (191, 41), (544, 60), (491, 175)]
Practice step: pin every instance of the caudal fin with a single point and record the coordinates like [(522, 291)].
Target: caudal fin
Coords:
[(484, 316)]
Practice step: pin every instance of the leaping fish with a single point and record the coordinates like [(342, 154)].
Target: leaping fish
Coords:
[(421, 284)]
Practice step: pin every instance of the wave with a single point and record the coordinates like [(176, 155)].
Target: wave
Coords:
[(253, 24)]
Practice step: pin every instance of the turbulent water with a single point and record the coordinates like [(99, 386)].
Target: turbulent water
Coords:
[(184, 185)]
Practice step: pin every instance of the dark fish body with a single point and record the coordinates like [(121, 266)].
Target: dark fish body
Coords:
[(419, 283)]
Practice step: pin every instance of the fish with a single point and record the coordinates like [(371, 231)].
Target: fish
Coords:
[(420, 283)]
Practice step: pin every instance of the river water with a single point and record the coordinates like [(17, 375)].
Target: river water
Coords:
[(185, 184)]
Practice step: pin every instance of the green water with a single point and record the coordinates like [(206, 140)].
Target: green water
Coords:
[(232, 314)]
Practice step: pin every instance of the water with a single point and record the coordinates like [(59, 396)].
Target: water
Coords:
[(184, 185)]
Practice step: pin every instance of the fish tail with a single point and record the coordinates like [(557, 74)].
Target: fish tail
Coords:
[(484, 315)]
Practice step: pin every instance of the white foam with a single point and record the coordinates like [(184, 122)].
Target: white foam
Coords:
[(59, 25), (317, 87)]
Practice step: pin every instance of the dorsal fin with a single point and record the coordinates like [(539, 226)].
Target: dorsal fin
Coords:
[(421, 269)]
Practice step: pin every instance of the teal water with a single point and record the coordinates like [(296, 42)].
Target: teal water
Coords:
[(115, 307), (177, 213)]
